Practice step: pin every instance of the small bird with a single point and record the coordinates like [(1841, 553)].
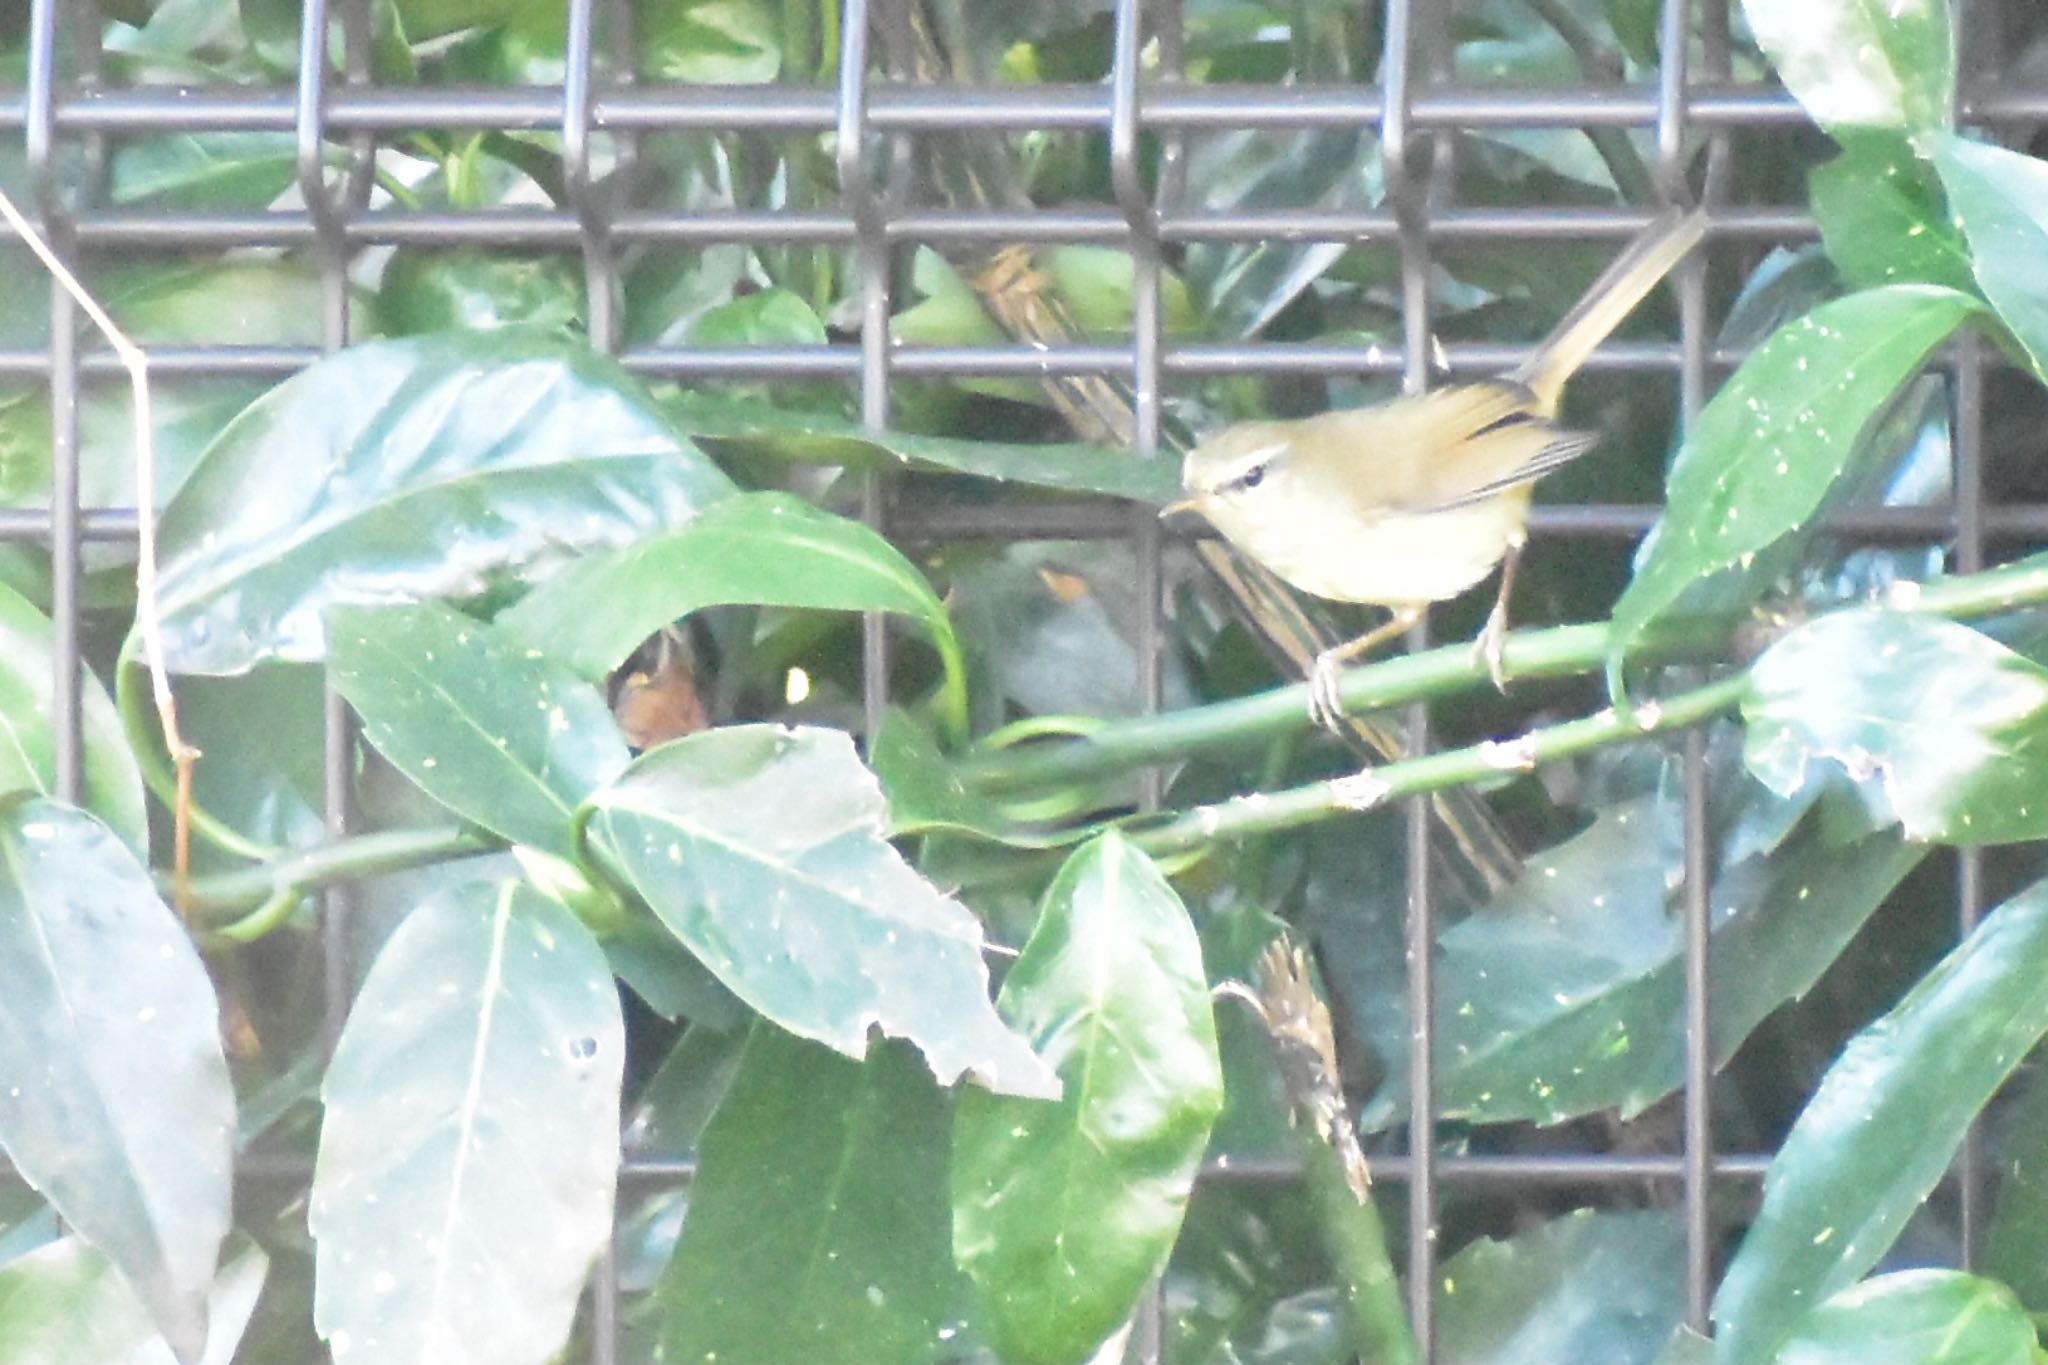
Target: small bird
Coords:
[(1413, 501)]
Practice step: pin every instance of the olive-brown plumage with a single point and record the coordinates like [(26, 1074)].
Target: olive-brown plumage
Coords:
[(1413, 501)]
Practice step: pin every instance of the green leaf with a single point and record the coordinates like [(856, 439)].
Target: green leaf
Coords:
[(1776, 438), (763, 850), (1883, 1127), (926, 791), (398, 470), (432, 290), (498, 733), (817, 1228), (470, 1149), (1063, 1212), (814, 438), (114, 1094), (1916, 1317), (1606, 1287), (1862, 63), (766, 317), (1883, 218), (64, 1304), (28, 746), (714, 42), (2016, 1245), (771, 549), (2000, 200), (1934, 724), (1565, 996)]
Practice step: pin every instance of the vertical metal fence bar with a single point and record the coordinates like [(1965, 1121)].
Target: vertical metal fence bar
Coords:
[(1407, 196), (331, 258), (856, 186), (65, 538), (1980, 53), (1127, 178)]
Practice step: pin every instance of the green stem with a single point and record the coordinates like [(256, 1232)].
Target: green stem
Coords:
[(1356, 1240), (1562, 651), (139, 723), (1266, 812), (364, 855)]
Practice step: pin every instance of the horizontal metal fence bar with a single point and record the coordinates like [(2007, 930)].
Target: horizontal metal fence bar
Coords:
[(895, 108)]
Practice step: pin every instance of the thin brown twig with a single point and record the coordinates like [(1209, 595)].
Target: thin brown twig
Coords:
[(148, 621)]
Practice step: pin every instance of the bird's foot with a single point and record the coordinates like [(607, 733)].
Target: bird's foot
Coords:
[(1325, 707), (1491, 648)]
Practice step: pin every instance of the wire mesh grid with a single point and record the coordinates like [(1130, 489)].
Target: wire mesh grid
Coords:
[(67, 118)]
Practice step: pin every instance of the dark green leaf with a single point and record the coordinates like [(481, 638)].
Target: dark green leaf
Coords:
[(425, 290), (669, 1115), (758, 428), (28, 754), (1564, 997), (2016, 1246), (763, 849), (1861, 64), (114, 1094), (1883, 218), (1883, 1127), (1605, 1287), (767, 317), (1916, 1317), (2000, 200), (273, 792), (1938, 727), (817, 1226), (1063, 1212), (497, 732), (470, 1149), (1777, 437), (421, 468), (772, 549), (66, 1305)]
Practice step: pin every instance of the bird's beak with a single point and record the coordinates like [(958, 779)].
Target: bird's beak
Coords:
[(1174, 509)]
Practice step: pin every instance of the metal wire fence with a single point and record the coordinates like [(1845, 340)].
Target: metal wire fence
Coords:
[(68, 118)]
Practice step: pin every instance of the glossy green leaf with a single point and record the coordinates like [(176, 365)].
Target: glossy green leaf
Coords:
[(1862, 63), (2000, 202), (1777, 437), (2016, 1244), (64, 1304), (1566, 995), (814, 438), (221, 172), (927, 792), (114, 1094), (494, 730), (1916, 1317), (271, 793), (1606, 1287), (421, 468), (28, 746), (1883, 1127), (1063, 1212), (817, 1228), (470, 1148), (763, 849), (772, 549), (1884, 220), (1937, 726), (428, 290), (720, 42)]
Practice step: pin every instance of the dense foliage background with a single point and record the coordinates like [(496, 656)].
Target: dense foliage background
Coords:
[(652, 845)]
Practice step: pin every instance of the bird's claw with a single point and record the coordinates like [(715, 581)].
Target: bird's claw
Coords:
[(1325, 707), (1491, 648)]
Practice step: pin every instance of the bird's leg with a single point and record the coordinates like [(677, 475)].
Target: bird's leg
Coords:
[(1493, 637), (1324, 706)]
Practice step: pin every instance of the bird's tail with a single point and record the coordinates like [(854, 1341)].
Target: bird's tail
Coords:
[(1609, 299)]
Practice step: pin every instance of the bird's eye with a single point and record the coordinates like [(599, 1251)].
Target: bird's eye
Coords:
[(1252, 477)]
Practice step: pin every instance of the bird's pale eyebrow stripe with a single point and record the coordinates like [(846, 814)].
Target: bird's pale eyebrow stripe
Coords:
[(1258, 457)]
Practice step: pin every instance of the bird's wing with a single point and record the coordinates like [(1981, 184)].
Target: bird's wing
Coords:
[(1446, 449)]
